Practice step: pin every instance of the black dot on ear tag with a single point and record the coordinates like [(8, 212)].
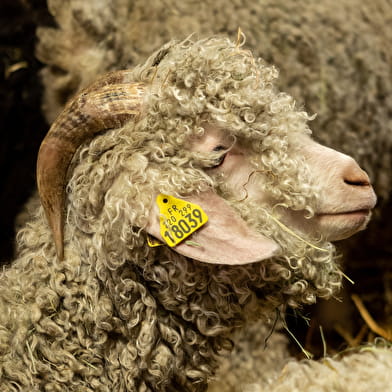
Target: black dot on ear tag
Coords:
[(165, 200)]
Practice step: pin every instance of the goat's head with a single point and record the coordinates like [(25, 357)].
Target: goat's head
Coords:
[(204, 122)]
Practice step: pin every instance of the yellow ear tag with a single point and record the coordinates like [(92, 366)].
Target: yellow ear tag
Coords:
[(178, 218)]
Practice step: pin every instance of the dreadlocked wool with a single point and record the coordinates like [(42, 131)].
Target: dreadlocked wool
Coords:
[(119, 315)]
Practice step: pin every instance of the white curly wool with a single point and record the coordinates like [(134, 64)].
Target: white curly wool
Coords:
[(256, 360), (112, 312), (369, 370), (254, 366), (334, 57)]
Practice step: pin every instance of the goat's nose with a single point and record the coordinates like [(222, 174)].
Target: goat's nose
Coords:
[(354, 175)]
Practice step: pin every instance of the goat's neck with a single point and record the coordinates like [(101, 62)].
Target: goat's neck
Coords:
[(183, 334)]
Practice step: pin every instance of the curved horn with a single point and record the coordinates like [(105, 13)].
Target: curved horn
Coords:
[(107, 103)]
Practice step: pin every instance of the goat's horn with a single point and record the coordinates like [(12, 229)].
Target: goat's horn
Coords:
[(107, 103)]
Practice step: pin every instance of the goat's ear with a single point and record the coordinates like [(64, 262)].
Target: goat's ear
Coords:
[(224, 239)]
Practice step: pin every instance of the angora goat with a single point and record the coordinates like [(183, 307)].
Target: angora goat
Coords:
[(335, 57), (201, 129)]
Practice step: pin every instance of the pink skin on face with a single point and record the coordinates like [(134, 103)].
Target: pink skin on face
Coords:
[(346, 196), (343, 207)]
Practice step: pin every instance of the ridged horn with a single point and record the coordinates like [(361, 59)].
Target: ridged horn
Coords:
[(108, 103)]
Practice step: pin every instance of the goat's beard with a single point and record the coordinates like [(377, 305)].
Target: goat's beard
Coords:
[(218, 298)]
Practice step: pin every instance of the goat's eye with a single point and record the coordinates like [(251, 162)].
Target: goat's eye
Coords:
[(219, 161)]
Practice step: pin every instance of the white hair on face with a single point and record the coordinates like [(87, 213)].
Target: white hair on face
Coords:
[(147, 306), (192, 83)]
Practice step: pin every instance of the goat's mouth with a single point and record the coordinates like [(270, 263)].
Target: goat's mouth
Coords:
[(354, 215)]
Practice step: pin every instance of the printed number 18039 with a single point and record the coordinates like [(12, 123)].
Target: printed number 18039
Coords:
[(179, 218)]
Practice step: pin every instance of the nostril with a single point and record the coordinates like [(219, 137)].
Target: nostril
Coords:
[(355, 176), (357, 182)]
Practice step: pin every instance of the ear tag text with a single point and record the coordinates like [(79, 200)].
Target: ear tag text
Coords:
[(178, 218)]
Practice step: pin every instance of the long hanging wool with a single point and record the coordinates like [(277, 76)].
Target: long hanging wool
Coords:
[(334, 57), (116, 314)]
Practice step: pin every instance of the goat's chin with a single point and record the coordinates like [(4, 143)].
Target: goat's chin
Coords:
[(336, 227)]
